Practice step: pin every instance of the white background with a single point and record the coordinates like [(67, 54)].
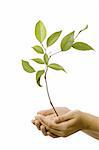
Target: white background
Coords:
[(20, 97)]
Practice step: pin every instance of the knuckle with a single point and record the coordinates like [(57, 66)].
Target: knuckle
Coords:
[(60, 118), (42, 127), (33, 121), (36, 122), (43, 130)]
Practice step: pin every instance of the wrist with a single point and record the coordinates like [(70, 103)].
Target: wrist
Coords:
[(90, 122), (84, 121)]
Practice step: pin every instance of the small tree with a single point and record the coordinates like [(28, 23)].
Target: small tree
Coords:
[(68, 42)]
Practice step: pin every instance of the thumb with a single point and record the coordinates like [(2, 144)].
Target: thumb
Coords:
[(64, 117)]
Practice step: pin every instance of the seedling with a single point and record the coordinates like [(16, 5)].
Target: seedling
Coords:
[(67, 42)]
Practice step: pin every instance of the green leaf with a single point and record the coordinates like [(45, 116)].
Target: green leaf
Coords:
[(53, 38), (38, 60), (38, 49), (82, 46), (46, 58), (67, 41), (38, 76), (40, 31), (56, 66), (27, 67)]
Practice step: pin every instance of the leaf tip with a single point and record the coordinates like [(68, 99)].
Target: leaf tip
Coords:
[(93, 49), (60, 31), (64, 70), (86, 27), (22, 61), (40, 20)]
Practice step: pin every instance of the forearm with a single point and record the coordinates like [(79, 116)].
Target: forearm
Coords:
[(92, 133), (91, 124)]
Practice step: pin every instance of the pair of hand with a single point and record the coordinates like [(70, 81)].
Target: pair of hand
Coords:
[(67, 123)]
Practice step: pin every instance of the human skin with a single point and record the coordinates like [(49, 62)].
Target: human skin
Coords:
[(68, 122)]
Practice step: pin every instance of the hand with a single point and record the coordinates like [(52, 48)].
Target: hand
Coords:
[(64, 125), (49, 114), (88, 123)]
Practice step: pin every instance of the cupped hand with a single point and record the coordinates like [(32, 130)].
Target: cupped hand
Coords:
[(50, 114), (63, 125)]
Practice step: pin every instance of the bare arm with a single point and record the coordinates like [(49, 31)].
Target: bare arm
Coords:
[(92, 133), (92, 125)]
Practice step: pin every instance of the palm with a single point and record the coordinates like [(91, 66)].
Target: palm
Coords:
[(51, 114)]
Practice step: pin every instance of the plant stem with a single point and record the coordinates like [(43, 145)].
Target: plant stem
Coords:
[(43, 47), (47, 83), (48, 92), (55, 53), (81, 31), (78, 34)]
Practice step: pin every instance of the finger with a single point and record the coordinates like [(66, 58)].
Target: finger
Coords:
[(64, 117), (54, 132), (48, 122), (43, 129), (50, 126), (66, 125), (52, 135), (63, 133), (46, 112), (37, 124), (33, 121), (70, 132)]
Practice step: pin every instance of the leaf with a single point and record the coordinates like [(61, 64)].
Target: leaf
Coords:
[(38, 60), (27, 67), (40, 31), (56, 66), (82, 46), (46, 58), (38, 49), (67, 41), (53, 38), (38, 76)]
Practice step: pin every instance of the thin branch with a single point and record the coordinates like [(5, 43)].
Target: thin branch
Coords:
[(78, 34), (46, 69), (48, 92), (81, 31), (55, 53), (43, 47)]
